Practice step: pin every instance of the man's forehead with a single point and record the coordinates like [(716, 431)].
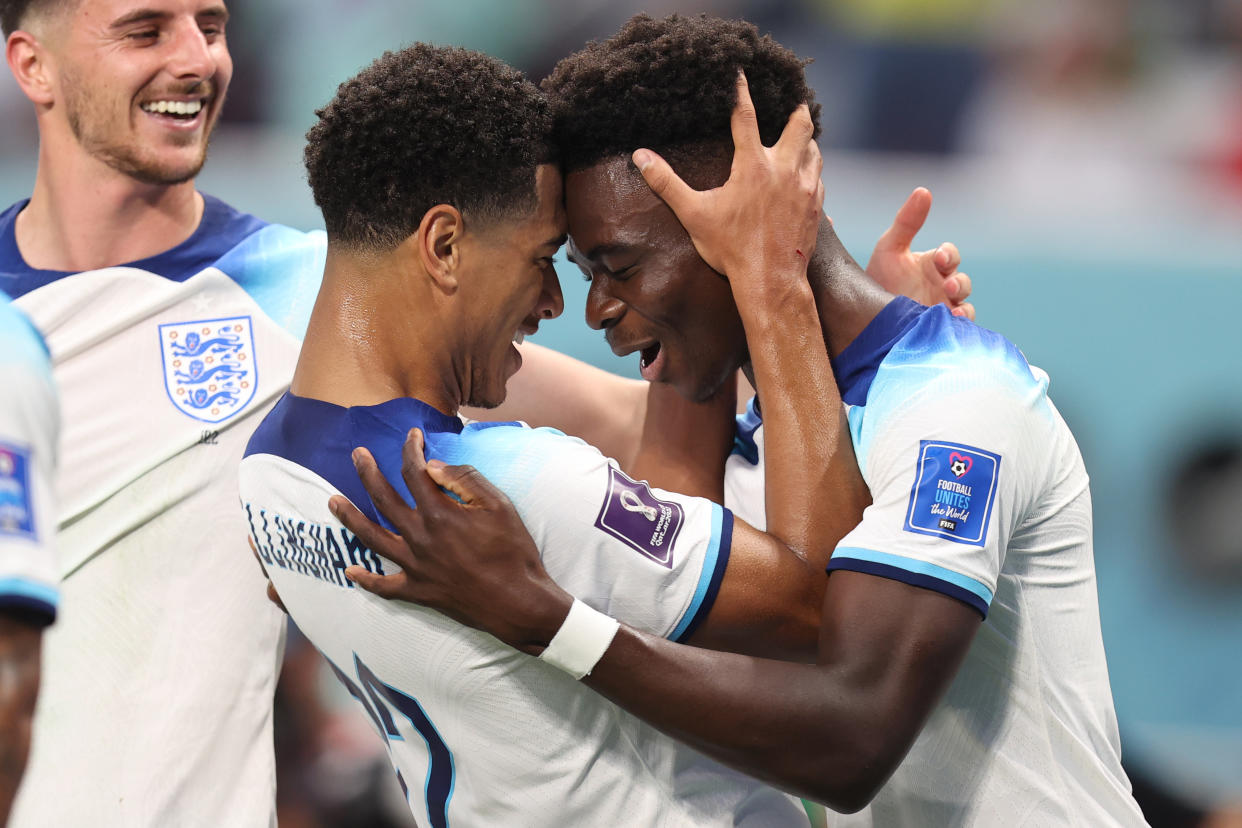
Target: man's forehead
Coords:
[(609, 205), (109, 12)]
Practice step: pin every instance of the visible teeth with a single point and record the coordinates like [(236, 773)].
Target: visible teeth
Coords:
[(174, 107), (519, 337)]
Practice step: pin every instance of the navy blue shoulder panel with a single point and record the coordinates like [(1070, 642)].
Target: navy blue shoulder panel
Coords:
[(220, 230), (856, 366), (321, 436)]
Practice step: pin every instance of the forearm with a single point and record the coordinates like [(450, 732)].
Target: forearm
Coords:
[(19, 688), (800, 727), (815, 493)]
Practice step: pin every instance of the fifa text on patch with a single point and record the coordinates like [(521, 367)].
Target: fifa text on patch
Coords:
[(637, 518), (954, 491)]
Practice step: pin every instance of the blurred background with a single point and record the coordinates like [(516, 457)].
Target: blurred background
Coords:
[(1085, 155)]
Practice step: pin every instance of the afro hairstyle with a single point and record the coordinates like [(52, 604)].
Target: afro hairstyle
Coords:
[(670, 85), (422, 126)]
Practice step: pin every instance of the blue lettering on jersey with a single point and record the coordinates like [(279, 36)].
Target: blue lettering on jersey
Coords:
[(637, 518), (314, 549), (954, 490), (16, 512), (209, 366)]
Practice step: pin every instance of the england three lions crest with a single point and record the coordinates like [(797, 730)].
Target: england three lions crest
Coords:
[(209, 369)]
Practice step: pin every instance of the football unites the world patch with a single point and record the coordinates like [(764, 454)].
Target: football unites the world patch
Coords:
[(209, 368), (954, 490), (16, 511), (639, 519)]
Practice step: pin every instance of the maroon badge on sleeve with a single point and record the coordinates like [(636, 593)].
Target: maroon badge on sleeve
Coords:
[(640, 520)]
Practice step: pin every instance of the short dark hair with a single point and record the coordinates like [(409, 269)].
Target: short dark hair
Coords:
[(670, 85), (422, 126), (14, 12)]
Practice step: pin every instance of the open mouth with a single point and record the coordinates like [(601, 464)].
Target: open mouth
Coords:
[(648, 355)]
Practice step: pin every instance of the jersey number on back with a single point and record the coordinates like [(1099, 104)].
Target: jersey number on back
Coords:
[(376, 697)]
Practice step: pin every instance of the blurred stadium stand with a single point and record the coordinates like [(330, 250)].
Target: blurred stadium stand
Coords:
[(1085, 155)]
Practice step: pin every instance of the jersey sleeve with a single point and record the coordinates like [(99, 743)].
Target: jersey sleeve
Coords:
[(952, 464), (650, 558), (29, 425)]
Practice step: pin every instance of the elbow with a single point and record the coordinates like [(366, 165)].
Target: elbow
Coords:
[(847, 796), (850, 781), (852, 798)]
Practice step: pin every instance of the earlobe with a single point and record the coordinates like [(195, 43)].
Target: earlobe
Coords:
[(439, 240), (28, 61)]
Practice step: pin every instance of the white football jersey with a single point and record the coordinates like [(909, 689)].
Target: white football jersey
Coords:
[(156, 704), (29, 423), (978, 492), (480, 734)]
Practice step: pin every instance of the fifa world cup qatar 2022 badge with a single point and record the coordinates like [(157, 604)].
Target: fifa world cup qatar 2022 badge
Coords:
[(954, 491), (209, 366), (640, 520), (16, 511)]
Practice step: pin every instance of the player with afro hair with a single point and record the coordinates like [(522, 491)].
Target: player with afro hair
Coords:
[(366, 157), (669, 85)]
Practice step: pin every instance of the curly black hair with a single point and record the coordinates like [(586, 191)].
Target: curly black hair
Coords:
[(13, 12), (670, 85), (422, 126)]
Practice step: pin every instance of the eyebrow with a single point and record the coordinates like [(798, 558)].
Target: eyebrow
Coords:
[(558, 241), (604, 249), (144, 15), (139, 16)]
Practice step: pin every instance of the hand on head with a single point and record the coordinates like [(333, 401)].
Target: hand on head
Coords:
[(761, 224)]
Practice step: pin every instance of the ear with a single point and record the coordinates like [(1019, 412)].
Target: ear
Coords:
[(31, 65), (439, 239)]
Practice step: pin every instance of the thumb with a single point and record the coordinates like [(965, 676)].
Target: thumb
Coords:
[(908, 222), (665, 183), (466, 482)]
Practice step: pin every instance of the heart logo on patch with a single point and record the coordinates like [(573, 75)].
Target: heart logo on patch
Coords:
[(959, 464)]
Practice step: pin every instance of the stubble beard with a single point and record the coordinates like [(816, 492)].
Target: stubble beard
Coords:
[(90, 127)]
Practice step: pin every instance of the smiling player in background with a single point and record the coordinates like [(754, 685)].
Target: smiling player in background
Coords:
[(173, 322)]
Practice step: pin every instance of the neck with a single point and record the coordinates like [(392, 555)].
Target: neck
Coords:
[(371, 314), (84, 215), (846, 297)]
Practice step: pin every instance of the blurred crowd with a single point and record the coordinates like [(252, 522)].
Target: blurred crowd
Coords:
[(1115, 93)]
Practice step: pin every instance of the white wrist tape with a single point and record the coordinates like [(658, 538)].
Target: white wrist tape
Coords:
[(581, 641)]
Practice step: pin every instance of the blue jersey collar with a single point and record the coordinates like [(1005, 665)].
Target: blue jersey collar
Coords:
[(219, 230)]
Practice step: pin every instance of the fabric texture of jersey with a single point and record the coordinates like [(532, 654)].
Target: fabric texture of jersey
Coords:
[(478, 733), (156, 703), (978, 492), (29, 424)]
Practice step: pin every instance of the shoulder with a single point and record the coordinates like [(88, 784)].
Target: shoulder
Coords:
[(948, 364), (279, 267), (493, 445)]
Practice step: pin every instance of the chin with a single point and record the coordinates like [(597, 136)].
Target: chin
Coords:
[(486, 398), (150, 169)]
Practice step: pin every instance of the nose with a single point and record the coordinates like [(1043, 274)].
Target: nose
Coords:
[(551, 300), (602, 308), (192, 56)]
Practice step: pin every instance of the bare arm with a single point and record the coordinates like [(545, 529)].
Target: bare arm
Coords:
[(760, 229), (19, 688)]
